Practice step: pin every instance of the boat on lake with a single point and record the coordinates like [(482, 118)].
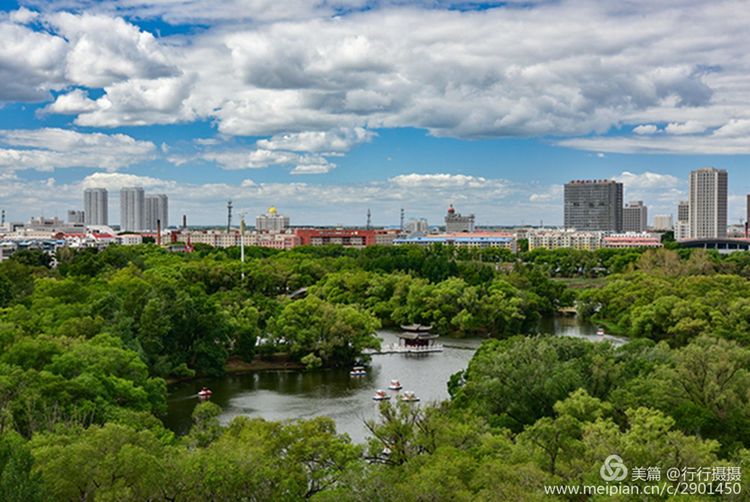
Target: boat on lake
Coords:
[(600, 332), (205, 393), (380, 395), (358, 371), (395, 385), (409, 396)]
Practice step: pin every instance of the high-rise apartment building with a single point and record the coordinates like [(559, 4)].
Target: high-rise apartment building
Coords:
[(635, 217), (157, 210), (272, 222), (708, 203), (132, 209), (593, 205), (682, 226), (95, 206), (683, 211)]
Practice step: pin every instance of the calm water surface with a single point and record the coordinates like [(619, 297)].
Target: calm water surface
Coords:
[(279, 395)]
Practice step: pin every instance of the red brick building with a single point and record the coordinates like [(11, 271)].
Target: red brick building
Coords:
[(348, 237)]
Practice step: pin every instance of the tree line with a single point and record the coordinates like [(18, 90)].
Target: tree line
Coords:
[(86, 346)]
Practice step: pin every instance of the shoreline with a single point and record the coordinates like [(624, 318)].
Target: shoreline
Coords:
[(236, 366), (281, 361)]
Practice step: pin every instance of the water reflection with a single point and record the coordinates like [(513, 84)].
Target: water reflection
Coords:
[(279, 395), (572, 327)]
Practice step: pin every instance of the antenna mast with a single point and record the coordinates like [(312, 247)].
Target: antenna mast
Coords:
[(229, 215)]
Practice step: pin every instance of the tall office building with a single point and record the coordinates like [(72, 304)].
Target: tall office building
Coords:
[(593, 205), (95, 206), (272, 222), (157, 210), (635, 217), (708, 203), (132, 209)]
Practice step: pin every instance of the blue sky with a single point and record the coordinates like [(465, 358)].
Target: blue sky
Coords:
[(325, 109)]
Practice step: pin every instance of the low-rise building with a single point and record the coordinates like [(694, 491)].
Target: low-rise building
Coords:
[(347, 237), (590, 241), (465, 239), (417, 226), (130, 239), (227, 239), (7, 248), (275, 241), (215, 238), (632, 240), (456, 222), (222, 239), (559, 239), (386, 237)]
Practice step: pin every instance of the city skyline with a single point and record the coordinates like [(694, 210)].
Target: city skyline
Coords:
[(155, 207), (321, 111)]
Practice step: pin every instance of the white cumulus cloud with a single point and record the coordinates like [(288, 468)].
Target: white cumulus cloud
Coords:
[(103, 50), (336, 140), (314, 75), (72, 103), (307, 74), (440, 180), (648, 180), (116, 181), (50, 148), (646, 129), (689, 127)]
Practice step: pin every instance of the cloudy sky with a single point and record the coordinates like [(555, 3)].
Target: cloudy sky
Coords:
[(326, 108)]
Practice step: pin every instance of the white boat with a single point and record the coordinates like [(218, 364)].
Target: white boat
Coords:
[(395, 385), (600, 332), (358, 371), (205, 393), (380, 395), (408, 396)]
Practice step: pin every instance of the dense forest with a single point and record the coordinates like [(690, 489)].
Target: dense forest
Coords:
[(89, 340)]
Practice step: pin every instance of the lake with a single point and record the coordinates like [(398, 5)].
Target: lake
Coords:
[(280, 395)]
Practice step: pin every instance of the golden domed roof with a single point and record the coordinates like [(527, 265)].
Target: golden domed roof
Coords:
[(271, 210)]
